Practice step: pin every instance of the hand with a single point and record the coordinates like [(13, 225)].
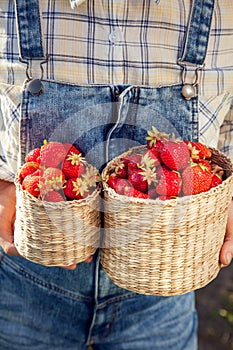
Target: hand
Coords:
[(226, 253), (7, 219)]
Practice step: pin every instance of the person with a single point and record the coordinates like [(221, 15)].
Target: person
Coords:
[(107, 70)]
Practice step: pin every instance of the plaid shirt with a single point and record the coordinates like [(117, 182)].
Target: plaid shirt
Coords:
[(119, 42)]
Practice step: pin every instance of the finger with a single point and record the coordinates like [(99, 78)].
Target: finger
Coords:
[(70, 267), (88, 260), (226, 253), (8, 247), (73, 266)]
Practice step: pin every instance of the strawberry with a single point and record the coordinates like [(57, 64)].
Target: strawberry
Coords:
[(90, 177), (175, 154), (165, 198), (33, 156), (117, 183), (112, 180), (31, 185), (156, 139), (150, 158), (216, 180), (27, 169), (196, 178), (70, 148), (169, 183), (55, 177), (131, 162), (52, 154), (132, 192), (81, 187), (136, 178), (198, 151), (73, 165), (38, 172), (121, 185), (53, 196), (206, 163), (152, 193), (71, 189), (119, 167)]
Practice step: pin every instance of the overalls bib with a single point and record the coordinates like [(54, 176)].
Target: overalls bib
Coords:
[(102, 121)]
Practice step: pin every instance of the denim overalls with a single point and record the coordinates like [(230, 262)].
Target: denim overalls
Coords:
[(48, 308)]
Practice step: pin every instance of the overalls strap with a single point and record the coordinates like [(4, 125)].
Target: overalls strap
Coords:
[(29, 29), (197, 34)]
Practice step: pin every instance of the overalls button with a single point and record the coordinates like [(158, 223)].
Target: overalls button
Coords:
[(188, 91), (35, 87)]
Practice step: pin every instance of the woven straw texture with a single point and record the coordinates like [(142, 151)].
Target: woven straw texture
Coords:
[(168, 247), (59, 233)]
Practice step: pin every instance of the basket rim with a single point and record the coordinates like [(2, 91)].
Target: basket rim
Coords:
[(76, 202), (172, 201)]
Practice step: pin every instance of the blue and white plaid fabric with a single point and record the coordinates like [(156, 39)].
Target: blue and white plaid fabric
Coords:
[(119, 42)]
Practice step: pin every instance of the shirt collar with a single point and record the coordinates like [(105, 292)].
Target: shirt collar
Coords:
[(75, 3)]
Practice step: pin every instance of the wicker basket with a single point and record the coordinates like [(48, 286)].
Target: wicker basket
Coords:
[(60, 233), (168, 247)]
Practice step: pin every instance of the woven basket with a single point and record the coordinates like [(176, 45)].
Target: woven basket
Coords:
[(168, 247), (60, 233)]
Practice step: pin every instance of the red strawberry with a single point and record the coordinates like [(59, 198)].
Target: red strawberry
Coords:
[(165, 198), (52, 154), (73, 166), (198, 151), (55, 177), (204, 151), (136, 178), (119, 167), (83, 186), (31, 185), (53, 196), (70, 148), (206, 163), (38, 172), (152, 193), (156, 139), (71, 189), (216, 180), (132, 192), (131, 162), (112, 181), (196, 178), (33, 156), (152, 154), (121, 185), (28, 168), (169, 183), (118, 184), (175, 154)]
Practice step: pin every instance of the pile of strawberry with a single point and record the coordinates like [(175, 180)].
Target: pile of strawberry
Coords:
[(57, 172), (168, 168)]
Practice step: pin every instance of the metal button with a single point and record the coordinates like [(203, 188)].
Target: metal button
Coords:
[(35, 87), (188, 91)]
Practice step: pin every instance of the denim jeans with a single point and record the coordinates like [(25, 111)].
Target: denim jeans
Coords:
[(50, 308)]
